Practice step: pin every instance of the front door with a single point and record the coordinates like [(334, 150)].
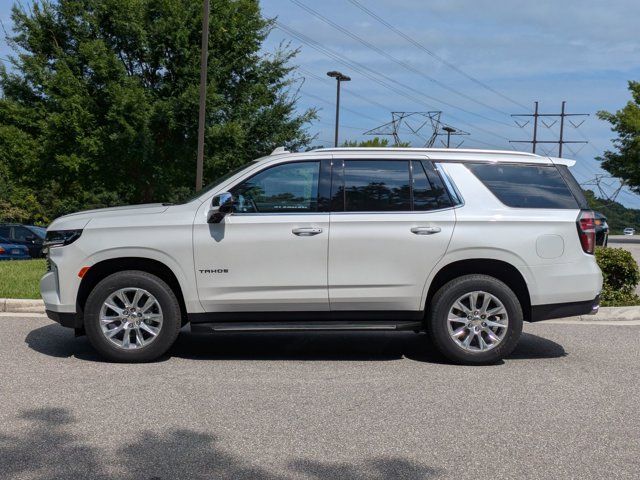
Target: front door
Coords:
[(271, 253), (391, 222)]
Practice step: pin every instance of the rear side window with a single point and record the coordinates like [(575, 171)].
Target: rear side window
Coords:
[(376, 186), (387, 186), (525, 186)]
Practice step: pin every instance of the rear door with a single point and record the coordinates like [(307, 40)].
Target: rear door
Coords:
[(391, 221)]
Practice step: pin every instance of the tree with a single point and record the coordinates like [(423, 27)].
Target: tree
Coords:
[(625, 162), (101, 106), (376, 142)]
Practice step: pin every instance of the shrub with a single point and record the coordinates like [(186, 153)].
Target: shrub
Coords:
[(621, 276)]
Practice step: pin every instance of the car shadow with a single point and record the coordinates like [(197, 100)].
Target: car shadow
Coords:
[(56, 341)]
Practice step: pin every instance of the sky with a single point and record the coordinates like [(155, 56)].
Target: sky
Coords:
[(476, 61), (511, 53)]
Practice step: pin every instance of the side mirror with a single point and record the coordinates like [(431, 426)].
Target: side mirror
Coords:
[(221, 205)]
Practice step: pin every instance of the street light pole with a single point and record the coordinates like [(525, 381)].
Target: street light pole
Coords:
[(339, 78), (449, 131), (204, 53)]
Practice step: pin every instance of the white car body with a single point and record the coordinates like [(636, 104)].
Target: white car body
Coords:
[(360, 262), (629, 231)]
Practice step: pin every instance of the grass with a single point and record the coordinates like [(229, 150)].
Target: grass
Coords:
[(21, 278)]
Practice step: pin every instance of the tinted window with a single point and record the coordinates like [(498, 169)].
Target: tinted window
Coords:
[(575, 187), (525, 186), (4, 232), (22, 234), (376, 186), (290, 187), (428, 191)]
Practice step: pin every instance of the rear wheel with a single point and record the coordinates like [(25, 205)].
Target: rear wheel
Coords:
[(475, 319), (132, 316)]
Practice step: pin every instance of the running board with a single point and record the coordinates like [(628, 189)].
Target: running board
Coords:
[(293, 326)]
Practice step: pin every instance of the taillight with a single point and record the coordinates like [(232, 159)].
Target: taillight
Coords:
[(587, 230), (2, 250)]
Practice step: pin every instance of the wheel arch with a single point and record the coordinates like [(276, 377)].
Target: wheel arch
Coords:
[(503, 271), (104, 268)]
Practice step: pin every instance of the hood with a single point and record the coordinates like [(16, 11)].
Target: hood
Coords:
[(80, 220)]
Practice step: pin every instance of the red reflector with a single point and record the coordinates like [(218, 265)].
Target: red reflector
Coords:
[(587, 231), (83, 271)]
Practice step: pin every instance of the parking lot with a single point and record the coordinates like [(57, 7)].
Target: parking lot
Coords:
[(315, 406)]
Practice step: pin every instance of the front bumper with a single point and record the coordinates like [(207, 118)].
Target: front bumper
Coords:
[(560, 310), (69, 320)]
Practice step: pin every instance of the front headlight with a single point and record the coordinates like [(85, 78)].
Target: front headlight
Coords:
[(60, 238)]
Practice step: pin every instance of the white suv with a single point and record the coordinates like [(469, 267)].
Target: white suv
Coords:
[(465, 244)]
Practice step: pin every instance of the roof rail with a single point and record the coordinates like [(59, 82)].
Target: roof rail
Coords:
[(439, 150)]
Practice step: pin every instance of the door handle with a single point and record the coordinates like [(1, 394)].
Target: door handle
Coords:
[(425, 230), (307, 232)]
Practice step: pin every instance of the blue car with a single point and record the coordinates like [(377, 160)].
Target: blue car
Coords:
[(11, 251)]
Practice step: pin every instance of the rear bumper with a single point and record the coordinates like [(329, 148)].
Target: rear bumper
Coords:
[(559, 310)]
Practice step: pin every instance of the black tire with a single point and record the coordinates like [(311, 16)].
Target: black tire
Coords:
[(443, 300), (165, 296)]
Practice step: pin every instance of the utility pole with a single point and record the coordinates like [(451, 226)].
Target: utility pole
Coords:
[(339, 79), (536, 115), (204, 54)]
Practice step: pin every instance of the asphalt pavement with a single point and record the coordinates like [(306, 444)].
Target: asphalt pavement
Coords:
[(320, 406)]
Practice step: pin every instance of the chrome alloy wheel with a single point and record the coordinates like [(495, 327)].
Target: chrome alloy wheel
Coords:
[(477, 321), (131, 318)]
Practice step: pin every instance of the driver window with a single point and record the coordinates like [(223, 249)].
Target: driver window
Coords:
[(290, 187)]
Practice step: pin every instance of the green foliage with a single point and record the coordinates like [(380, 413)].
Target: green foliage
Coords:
[(621, 276), (21, 278), (625, 162), (376, 142), (618, 216), (102, 105)]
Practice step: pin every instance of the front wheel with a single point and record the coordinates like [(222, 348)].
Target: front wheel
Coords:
[(475, 320), (132, 316)]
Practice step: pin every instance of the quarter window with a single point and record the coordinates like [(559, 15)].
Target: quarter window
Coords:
[(290, 187), (428, 190), (525, 186)]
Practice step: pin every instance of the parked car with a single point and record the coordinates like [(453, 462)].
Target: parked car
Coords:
[(602, 229), (30, 236), (11, 251), (463, 244), (629, 231)]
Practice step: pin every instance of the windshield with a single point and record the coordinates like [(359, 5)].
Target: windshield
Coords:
[(216, 182), (39, 231)]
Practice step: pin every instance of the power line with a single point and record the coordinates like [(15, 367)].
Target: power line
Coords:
[(372, 75), (329, 102), (432, 54), (401, 63), (349, 92)]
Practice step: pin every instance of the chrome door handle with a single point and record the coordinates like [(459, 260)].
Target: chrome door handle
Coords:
[(425, 230), (306, 232)]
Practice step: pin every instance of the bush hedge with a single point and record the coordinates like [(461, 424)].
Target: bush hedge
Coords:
[(621, 276)]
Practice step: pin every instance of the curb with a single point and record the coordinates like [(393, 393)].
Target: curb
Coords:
[(16, 305), (606, 314), (613, 314)]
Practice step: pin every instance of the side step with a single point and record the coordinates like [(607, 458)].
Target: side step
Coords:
[(294, 326)]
